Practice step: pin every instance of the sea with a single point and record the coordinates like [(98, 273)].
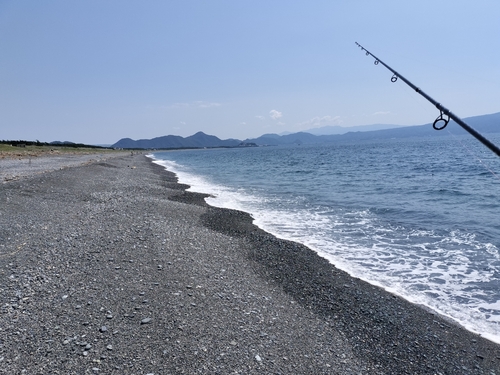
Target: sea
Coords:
[(419, 217)]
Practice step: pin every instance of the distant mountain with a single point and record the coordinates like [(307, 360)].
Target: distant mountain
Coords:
[(197, 140), (483, 124), (288, 139), (331, 130)]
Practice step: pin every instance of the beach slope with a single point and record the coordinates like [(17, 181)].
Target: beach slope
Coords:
[(113, 268)]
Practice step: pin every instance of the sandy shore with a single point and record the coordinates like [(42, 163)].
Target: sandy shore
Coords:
[(112, 268)]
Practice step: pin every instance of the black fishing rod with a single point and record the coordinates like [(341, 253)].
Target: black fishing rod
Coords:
[(441, 121)]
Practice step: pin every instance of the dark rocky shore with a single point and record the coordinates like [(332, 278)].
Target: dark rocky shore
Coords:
[(113, 268)]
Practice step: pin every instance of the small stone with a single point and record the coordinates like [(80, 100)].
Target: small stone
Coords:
[(233, 343), (65, 296), (146, 321), (65, 342), (257, 358), (88, 346), (109, 316), (109, 347), (103, 329), (160, 267), (85, 353)]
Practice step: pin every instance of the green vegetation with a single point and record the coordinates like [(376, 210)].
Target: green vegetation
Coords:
[(35, 148)]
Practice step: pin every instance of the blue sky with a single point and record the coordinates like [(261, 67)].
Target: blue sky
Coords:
[(97, 71)]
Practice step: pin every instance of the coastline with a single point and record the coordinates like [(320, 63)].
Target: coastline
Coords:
[(115, 243), (14, 167)]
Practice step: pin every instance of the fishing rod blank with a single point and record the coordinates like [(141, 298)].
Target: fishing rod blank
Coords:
[(445, 114)]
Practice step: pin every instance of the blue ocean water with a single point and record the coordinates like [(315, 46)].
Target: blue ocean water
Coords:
[(419, 217)]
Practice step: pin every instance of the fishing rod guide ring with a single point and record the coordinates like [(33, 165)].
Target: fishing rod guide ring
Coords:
[(439, 119)]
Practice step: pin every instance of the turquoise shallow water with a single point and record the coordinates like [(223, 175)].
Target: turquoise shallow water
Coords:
[(419, 217)]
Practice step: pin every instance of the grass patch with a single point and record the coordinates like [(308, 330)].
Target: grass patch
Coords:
[(7, 150)]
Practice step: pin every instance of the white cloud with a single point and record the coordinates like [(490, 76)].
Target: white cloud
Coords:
[(207, 104), (318, 121), (381, 113), (275, 114), (260, 117)]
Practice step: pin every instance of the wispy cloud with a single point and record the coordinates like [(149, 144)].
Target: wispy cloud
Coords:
[(260, 117), (381, 113), (274, 114), (319, 121), (201, 104)]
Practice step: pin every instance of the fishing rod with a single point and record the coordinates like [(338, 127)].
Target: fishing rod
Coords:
[(445, 114)]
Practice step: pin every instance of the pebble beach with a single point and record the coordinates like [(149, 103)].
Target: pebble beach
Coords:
[(109, 266)]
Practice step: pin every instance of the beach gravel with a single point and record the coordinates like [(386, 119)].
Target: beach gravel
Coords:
[(113, 268)]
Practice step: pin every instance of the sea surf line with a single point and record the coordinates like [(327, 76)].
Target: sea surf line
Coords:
[(423, 226)]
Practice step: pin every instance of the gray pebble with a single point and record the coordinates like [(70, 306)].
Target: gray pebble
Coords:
[(146, 321)]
